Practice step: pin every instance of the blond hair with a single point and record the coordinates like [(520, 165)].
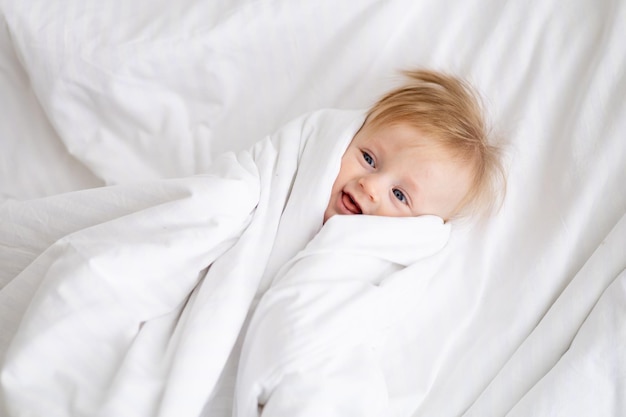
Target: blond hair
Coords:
[(448, 110)]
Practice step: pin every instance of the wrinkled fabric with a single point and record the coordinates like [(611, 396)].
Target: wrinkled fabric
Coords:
[(137, 308)]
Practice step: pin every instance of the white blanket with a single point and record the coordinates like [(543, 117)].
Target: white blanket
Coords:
[(312, 345), (525, 315), (137, 312)]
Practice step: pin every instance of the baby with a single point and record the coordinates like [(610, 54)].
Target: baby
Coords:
[(422, 153), (146, 287), (422, 150)]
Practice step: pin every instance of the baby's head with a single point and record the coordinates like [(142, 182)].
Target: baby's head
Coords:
[(423, 149)]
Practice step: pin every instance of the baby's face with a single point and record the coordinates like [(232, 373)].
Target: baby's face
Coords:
[(395, 171)]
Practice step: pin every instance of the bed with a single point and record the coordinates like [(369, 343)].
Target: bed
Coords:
[(527, 313)]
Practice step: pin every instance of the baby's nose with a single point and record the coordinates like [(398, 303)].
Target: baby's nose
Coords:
[(371, 186)]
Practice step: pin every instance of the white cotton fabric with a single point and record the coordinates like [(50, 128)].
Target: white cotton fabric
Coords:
[(312, 342), (519, 309), (137, 314)]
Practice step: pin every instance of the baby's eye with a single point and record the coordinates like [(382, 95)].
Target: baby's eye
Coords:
[(400, 196), (368, 158)]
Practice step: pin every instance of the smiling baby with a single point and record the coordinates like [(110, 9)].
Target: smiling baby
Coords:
[(423, 149)]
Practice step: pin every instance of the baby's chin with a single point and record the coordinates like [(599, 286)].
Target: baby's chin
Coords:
[(327, 215), (330, 212)]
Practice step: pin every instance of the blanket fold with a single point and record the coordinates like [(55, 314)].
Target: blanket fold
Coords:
[(317, 328)]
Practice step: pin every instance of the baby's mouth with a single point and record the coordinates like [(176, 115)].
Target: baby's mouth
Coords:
[(350, 204)]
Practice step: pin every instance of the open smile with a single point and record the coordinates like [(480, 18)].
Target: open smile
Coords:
[(350, 204)]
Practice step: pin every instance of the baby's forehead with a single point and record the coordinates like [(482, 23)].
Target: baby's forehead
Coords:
[(411, 151), (401, 136)]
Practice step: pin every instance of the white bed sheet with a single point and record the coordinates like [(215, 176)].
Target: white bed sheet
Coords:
[(101, 93), (33, 161)]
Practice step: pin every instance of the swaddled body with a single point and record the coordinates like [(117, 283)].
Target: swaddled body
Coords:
[(311, 346), (125, 312)]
